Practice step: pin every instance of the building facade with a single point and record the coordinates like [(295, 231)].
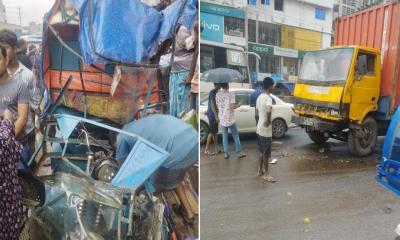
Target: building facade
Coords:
[(279, 31), (346, 7), (3, 17), (370, 3)]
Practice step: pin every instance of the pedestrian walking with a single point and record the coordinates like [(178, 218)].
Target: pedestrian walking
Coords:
[(264, 128), (226, 105), (213, 120), (253, 98), (21, 51)]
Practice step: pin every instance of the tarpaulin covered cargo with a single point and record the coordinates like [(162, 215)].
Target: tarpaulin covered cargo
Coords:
[(103, 88), (140, 28), (377, 27)]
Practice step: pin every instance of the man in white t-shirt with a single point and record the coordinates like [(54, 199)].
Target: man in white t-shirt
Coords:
[(264, 128)]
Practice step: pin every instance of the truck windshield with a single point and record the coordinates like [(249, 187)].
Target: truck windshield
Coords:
[(327, 66)]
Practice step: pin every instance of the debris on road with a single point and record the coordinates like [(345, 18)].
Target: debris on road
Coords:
[(307, 220), (387, 210), (273, 161)]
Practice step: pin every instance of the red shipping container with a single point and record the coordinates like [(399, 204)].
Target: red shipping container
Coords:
[(377, 27)]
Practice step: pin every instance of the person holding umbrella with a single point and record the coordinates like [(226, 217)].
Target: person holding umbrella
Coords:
[(226, 105)]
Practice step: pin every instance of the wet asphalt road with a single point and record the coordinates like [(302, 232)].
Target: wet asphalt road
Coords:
[(336, 192)]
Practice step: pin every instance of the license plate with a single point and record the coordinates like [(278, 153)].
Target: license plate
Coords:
[(306, 121)]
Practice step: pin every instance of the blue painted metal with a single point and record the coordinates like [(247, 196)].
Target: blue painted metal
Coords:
[(143, 159), (383, 112), (388, 171)]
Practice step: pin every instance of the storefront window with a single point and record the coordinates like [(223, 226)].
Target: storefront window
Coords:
[(290, 69), (234, 26), (252, 63), (207, 60), (278, 5), (269, 64), (269, 33), (252, 30)]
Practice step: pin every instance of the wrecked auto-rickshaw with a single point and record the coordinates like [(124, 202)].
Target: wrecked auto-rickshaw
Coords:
[(388, 171), (100, 72)]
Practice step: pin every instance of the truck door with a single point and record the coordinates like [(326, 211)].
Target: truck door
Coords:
[(365, 87)]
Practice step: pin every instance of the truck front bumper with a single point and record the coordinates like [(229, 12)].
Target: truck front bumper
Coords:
[(316, 124)]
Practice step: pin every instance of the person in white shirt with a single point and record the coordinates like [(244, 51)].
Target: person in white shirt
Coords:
[(264, 128)]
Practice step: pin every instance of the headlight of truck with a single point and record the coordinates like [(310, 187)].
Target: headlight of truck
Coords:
[(335, 113)]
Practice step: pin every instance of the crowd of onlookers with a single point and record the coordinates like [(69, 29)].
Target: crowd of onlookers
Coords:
[(220, 113)]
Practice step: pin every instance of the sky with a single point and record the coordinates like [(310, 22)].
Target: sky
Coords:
[(31, 10)]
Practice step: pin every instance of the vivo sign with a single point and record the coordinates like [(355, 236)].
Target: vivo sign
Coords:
[(210, 26), (213, 27)]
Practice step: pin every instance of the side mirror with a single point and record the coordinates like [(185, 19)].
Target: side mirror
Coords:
[(358, 77)]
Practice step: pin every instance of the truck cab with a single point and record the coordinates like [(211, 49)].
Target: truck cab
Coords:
[(337, 96)]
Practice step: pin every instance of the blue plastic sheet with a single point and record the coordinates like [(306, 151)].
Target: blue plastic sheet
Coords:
[(173, 135), (140, 28), (139, 165)]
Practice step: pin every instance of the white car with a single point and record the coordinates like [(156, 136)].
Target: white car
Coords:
[(281, 115)]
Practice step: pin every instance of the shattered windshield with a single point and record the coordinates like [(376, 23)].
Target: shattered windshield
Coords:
[(328, 66)]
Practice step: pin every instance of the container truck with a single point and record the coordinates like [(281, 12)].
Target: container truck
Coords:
[(350, 92)]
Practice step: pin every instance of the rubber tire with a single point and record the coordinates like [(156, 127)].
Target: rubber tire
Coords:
[(354, 145), (283, 123), (317, 137), (204, 131)]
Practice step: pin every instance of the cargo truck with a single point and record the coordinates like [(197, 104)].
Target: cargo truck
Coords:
[(350, 92)]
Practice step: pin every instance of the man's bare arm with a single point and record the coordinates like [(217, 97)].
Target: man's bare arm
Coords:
[(20, 123), (214, 109)]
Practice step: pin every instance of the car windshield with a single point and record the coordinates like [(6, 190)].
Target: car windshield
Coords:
[(329, 66)]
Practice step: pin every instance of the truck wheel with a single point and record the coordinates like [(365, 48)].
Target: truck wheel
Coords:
[(317, 137), (362, 141)]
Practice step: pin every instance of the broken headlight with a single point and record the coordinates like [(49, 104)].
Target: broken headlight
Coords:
[(334, 113)]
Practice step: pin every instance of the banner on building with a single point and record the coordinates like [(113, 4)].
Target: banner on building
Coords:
[(213, 27), (222, 10)]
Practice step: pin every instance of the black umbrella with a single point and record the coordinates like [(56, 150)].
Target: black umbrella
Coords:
[(222, 75)]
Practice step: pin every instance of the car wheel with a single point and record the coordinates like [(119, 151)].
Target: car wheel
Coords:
[(278, 128), (204, 130)]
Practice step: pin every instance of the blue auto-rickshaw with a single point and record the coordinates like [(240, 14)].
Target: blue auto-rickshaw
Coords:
[(388, 171)]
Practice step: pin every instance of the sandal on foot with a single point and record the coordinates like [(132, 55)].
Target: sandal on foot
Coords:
[(269, 179), (207, 152)]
